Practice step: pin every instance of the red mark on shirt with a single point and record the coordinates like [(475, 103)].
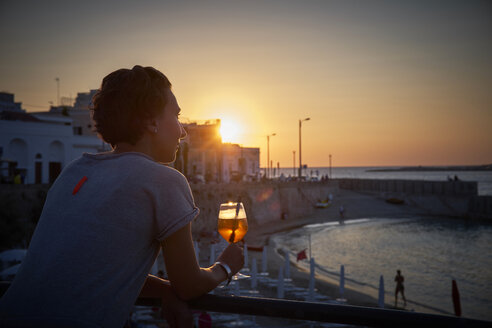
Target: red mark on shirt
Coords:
[(77, 187)]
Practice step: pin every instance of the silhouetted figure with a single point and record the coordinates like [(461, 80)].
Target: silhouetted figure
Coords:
[(399, 288), (456, 178), (342, 212)]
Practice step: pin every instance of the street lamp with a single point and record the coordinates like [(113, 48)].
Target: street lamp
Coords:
[(57, 91), (267, 172), (300, 156), (294, 163)]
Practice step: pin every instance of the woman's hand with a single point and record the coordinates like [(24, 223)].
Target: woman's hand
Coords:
[(233, 256), (175, 311)]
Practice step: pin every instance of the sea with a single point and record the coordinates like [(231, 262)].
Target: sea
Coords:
[(430, 251), (484, 178)]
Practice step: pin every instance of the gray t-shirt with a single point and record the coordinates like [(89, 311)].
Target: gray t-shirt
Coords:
[(93, 248)]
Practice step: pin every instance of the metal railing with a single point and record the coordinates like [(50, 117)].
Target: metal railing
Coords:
[(324, 312), (313, 311)]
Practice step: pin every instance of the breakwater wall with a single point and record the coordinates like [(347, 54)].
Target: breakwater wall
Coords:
[(450, 198), (481, 207), (264, 202), (412, 187)]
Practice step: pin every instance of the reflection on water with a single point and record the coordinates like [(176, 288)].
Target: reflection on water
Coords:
[(430, 252)]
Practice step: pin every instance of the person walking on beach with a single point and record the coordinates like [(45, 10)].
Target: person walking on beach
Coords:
[(399, 288), (108, 215), (342, 212)]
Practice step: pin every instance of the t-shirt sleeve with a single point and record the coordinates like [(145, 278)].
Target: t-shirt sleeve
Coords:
[(174, 205)]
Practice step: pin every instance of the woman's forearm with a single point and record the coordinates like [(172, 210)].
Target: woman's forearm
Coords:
[(154, 287), (207, 280)]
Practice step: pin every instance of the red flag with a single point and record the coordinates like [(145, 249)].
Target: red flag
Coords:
[(301, 255)]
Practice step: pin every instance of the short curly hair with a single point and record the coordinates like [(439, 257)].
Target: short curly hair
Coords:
[(126, 101)]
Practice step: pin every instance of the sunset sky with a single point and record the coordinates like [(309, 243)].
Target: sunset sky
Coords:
[(384, 82)]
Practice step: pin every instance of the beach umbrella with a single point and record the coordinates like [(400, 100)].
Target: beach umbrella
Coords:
[(212, 254), (381, 292), (236, 288), (254, 273), (311, 279), (287, 264), (280, 283), (246, 263), (264, 262), (342, 281)]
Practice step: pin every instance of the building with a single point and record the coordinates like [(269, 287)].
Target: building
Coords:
[(204, 158), (37, 146), (80, 113), (240, 163), (199, 155), (7, 103)]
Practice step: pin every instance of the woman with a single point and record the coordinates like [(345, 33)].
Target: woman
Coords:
[(107, 216)]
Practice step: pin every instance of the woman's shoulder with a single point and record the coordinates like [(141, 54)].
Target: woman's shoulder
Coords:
[(150, 170), (137, 166)]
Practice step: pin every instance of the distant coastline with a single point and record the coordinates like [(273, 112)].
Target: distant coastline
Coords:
[(487, 167)]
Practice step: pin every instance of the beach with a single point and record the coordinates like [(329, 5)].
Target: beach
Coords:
[(357, 205)]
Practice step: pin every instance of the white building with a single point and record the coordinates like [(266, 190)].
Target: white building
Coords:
[(39, 145)]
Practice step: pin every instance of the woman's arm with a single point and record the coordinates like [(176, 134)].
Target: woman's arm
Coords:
[(176, 312), (187, 279)]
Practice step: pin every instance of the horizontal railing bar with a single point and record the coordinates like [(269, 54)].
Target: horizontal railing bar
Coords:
[(324, 312), (313, 311)]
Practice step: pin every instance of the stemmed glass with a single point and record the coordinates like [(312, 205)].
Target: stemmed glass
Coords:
[(232, 225)]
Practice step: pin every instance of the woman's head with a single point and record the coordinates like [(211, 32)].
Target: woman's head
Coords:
[(127, 101), (136, 107)]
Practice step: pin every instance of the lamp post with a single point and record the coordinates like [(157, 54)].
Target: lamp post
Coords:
[(294, 163), (300, 146), (330, 167), (57, 91), (267, 173)]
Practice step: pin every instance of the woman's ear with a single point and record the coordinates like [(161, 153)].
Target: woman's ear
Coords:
[(152, 126)]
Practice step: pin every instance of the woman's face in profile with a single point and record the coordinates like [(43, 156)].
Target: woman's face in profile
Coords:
[(169, 131)]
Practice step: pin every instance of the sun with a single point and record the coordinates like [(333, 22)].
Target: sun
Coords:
[(229, 130)]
